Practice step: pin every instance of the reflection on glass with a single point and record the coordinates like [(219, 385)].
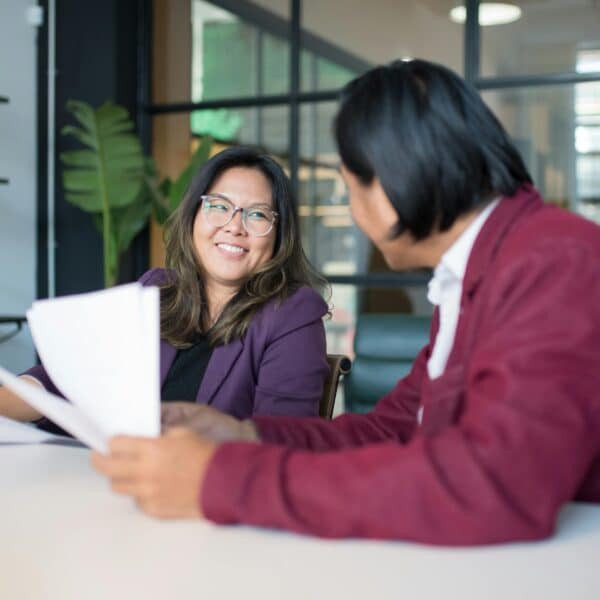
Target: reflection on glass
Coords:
[(557, 131), (266, 127), (331, 239), (546, 39), (340, 327), (347, 38), (587, 136), (234, 57), (224, 54)]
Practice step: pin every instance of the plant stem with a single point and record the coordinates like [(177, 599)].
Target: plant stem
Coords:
[(109, 278)]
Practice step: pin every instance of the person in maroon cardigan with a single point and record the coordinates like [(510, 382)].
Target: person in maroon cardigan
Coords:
[(498, 423)]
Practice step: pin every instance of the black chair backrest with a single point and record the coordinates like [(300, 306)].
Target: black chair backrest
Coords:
[(338, 365)]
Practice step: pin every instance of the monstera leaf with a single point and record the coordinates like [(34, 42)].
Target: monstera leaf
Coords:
[(112, 179), (106, 178), (170, 193)]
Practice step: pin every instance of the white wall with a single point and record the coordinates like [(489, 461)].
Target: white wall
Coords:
[(18, 128)]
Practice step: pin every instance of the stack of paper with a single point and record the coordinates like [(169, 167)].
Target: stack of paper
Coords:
[(102, 351)]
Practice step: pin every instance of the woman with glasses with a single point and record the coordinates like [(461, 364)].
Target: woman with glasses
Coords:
[(241, 316)]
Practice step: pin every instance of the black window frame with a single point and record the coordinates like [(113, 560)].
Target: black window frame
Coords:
[(300, 39)]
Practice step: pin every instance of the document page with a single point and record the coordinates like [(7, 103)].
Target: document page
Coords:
[(64, 414), (15, 432), (101, 350)]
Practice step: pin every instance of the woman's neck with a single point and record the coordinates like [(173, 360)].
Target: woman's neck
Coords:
[(217, 296)]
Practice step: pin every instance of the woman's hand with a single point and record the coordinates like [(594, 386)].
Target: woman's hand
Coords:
[(163, 475), (207, 421), (13, 407)]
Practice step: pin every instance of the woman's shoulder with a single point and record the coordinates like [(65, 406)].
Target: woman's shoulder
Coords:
[(156, 276), (303, 306), (306, 296)]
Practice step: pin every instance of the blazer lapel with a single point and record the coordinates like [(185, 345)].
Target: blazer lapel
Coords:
[(503, 218), (167, 356), (495, 229), (219, 366)]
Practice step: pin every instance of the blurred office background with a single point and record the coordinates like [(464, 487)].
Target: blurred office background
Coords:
[(268, 72)]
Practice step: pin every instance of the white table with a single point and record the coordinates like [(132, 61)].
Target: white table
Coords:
[(64, 535)]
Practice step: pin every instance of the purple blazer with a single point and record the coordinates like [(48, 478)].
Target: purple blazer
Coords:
[(279, 367)]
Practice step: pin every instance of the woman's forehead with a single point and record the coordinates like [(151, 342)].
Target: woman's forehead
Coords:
[(243, 186)]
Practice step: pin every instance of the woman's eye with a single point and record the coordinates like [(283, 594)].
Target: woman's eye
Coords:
[(257, 214), (218, 206)]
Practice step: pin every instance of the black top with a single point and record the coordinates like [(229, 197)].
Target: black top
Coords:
[(185, 375)]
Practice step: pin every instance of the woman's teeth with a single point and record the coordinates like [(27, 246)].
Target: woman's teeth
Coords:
[(230, 248)]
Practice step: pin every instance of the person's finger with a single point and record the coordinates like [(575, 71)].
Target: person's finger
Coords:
[(124, 487), (138, 488), (120, 468), (172, 414), (125, 445), (177, 432), (149, 506)]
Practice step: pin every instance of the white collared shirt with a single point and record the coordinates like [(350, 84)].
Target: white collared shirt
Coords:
[(445, 290)]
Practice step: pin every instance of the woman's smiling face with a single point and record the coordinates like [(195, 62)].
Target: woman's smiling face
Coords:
[(228, 255)]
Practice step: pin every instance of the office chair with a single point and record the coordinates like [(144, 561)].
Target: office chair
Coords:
[(338, 365)]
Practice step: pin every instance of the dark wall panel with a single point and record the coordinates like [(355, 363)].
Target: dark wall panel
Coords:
[(96, 44)]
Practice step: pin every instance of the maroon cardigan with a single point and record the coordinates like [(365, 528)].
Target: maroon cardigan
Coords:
[(510, 431)]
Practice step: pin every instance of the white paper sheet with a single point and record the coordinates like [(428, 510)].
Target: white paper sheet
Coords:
[(64, 414), (102, 352), (15, 432)]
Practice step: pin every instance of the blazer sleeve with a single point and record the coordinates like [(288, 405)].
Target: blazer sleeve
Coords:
[(293, 365), (522, 447), (393, 418)]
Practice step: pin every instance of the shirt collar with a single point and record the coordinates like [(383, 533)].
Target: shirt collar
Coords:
[(453, 264)]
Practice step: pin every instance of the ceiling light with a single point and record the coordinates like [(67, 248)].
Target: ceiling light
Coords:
[(490, 13)]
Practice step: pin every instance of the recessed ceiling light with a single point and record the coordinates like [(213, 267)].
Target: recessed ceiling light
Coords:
[(490, 13)]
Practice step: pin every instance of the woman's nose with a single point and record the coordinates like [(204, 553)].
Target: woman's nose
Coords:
[(236, 225)]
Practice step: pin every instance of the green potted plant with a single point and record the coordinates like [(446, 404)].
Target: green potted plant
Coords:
[(112, 179)]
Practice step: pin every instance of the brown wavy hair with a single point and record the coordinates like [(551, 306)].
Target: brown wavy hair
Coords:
[(183, 306)]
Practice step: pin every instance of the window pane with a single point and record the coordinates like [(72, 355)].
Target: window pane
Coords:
[(340, 328), (274, 64), (266, 127), (333, 243), (545, 38), (344, 43), (331, 239), (224, 54), (241, 54), (560, 154), (204, 52)]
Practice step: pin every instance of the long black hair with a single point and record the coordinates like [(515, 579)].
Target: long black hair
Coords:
[(436, 148), (184, 309)]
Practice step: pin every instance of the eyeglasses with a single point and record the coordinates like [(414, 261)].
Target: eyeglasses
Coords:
[(257, 219)]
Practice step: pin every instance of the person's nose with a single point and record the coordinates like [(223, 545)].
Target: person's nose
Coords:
[(236, 226)]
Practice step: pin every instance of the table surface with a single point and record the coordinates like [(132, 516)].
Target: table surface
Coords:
[(64, 535)]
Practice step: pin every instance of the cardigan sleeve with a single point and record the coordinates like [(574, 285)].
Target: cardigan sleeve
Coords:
[(529, 431)]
